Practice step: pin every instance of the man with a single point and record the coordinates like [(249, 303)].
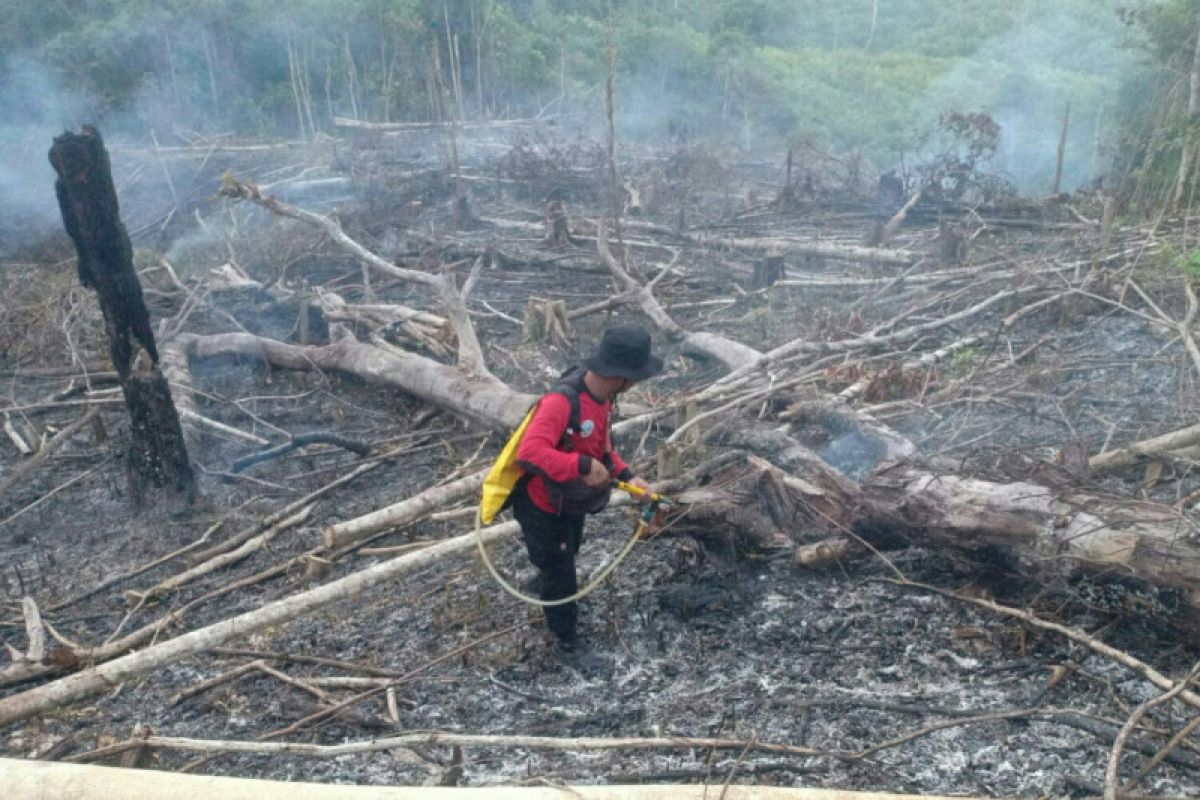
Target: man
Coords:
[(570, 469)]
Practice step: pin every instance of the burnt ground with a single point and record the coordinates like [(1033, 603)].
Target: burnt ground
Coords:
[(693, 637)]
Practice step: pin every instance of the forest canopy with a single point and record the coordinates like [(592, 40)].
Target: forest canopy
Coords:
[(867, 76)]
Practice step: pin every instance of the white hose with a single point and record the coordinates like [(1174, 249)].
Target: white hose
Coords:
[(533, 601)]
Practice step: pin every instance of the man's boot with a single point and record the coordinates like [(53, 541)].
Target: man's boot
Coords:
[(578, 655)]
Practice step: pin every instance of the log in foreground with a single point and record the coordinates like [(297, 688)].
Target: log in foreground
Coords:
[(1046, 533), (103, 677), (37, 780)]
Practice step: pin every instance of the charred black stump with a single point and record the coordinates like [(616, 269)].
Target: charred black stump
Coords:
[(157, 456), (952, 244), (558, 221), (767, 270)]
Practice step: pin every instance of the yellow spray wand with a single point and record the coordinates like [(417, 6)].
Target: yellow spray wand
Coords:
[(655, 502)]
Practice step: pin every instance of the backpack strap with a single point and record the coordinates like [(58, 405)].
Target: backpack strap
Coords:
[(569, 385)]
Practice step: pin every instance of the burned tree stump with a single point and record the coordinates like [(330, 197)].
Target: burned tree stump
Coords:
[(558, 221), (890, 191), (759, 506), (874, 235), (767, 270), (157, 456), (546, 321), (952, 244)]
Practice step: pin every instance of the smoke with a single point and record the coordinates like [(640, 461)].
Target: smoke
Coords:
[(1025, 79), (794, 78), (37, 110), (40, 107), (753, 80)]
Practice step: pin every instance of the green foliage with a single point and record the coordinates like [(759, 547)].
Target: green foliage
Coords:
[(1189, 264), (728, 69), (1156, 124)]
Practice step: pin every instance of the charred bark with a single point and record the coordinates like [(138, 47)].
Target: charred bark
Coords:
[(762, 507), (558, 221), (767, 270), (157, 455), (1024, 530)]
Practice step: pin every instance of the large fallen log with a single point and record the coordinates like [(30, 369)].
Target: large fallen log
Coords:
[(814, 249), (102, 677), (1032, 530), (1046, 532), (362, 124), (37, 780), (808, 248), (830, 250), (480, 398)]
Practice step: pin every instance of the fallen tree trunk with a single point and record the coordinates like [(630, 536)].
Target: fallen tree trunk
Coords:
[(103, 677), (480, 398), (840, 252), (833, 251), (1131, 454), (36, 780), (361, 124), (1031, 530), (507, 741), (1044, 531), (402, 513)]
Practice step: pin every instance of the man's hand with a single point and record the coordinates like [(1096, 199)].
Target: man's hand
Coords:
[(598, 476), (645, 487), (656, 525)]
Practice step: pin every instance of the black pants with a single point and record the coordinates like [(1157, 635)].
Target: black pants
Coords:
[(552, 541)]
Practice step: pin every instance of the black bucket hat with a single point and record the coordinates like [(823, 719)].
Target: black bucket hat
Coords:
[(624, 352)]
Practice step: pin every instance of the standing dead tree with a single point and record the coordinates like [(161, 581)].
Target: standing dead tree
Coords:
[(157, 454), (1187, 156)]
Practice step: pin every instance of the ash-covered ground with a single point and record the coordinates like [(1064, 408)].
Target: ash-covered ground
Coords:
[(694, 636)]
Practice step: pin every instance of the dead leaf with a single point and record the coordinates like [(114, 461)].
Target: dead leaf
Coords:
[(1153, 473), (1057, 673), (969, 632), (64, 658)]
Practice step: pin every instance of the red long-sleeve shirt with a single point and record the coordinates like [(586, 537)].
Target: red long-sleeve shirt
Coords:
[(539, 452)]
